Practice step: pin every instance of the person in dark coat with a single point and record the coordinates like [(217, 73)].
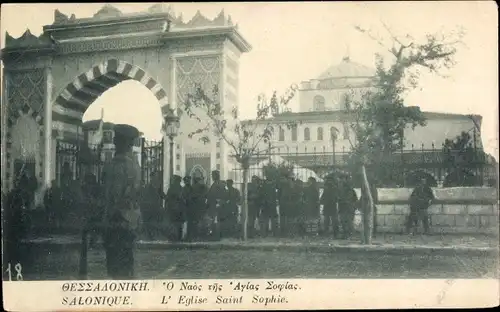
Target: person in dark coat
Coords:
[(269, 214), (122, 213), (197, 208), (230, 211), (297, 213), (14, 226), (254, 204), (420, 200), (152, 206), (216, 197), (92, 206), (364, 204), (52, 201), (312, 202), (329, 200), (175, 206), (347, 201), (285, 204)]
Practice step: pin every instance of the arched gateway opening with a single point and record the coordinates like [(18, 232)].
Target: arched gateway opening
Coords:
[(54, 77), (82, 149)]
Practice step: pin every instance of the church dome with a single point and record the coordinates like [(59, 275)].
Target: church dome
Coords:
[(347, 69)]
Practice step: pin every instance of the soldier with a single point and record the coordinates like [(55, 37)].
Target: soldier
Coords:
[(187, 191), (285, 204), (175, 206), (197, 209), (229, 213), (297, 207), (329, 200), (122, 214), (215, 199), (269, 212), (346, 204), (152, 205), (312, 202), (420, 200), (254, 204)]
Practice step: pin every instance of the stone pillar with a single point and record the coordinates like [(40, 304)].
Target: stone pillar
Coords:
[(48, 160), (4, 110), (173, 104), (227, 114)]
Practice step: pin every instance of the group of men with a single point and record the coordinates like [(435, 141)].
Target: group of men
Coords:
[(117, 206), (210, 213)]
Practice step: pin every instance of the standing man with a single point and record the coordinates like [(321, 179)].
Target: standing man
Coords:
[(329, 200), (420, 200), (312, 203), (229, 215), (215, 199), (122, 213), (197, 209), (175, 206), (254, 205), (285, 204), (346, 204), (269, 212), (152, 206)]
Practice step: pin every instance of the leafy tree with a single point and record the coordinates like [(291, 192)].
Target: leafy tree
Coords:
[(380, 116), (458, 153), (275, 171), (244, 138)]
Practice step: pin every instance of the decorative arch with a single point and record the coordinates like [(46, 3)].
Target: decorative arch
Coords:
[(320, 134), (200, 171), (307, 134), (24, 144), (413, 178), (318, 103), (74, 100)]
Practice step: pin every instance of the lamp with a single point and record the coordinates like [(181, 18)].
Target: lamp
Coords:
[(172, 125)]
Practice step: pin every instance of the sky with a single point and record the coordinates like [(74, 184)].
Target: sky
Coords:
[(293, 42)]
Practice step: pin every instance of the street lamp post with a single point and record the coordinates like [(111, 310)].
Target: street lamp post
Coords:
[(171, 130)]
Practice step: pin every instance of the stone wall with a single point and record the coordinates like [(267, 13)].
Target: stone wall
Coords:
[(455, 210)]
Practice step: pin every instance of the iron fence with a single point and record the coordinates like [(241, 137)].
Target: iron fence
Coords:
[(74, 160), (440, 166)]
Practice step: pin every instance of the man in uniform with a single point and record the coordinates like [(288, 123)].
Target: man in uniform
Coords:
[(229, 214), (254, 201), (269, 213), (329, 201), (312, 204), (215, 199), (122, 215), (420, 200), (197, 209), (152, 206), (175, 206), (285, 204), (346, 204)]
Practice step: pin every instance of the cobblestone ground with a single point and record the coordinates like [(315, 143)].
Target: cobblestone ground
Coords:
[(200, 263)]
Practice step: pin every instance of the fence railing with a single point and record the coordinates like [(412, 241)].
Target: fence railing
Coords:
[(441, 167)]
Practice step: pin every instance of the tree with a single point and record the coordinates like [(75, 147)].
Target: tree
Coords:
[(457, 154), (380, 116), (243, 137)]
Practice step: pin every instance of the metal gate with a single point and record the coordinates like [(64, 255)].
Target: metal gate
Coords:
[(74, 161), (152, 161)]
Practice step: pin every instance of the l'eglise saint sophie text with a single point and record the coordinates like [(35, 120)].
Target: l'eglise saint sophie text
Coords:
[(98, 300)]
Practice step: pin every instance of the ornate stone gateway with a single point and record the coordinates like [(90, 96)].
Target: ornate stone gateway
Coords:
[(50, 80)]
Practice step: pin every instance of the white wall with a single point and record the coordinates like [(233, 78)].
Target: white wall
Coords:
[(334, 98), (436, 131)]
